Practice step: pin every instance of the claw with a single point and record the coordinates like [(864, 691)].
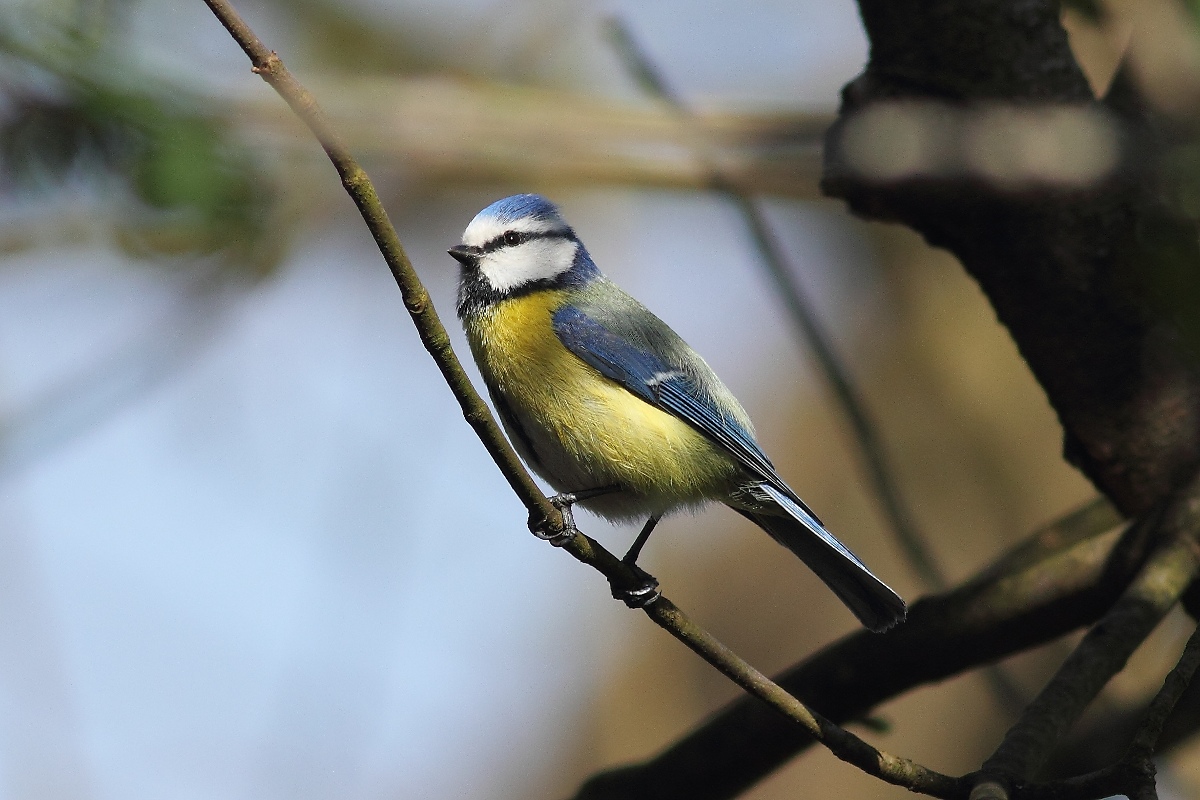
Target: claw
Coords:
[(640, 594), (563, 501), (545, 529)]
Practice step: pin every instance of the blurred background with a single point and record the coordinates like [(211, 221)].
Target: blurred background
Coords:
[(248, 546)]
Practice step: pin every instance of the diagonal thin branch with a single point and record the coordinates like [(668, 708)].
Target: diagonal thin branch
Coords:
[(843, 744), (1145, 741), (800, 310), (268, 66), (1107, 646), (1000, 612), (543, 517), (1133, 774)]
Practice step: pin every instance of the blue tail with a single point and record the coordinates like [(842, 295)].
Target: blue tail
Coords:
[(794, 527)]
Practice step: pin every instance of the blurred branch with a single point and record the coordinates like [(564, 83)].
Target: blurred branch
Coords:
[(908, 534), (544, 519), (1095, 281), (1034, 600), (1079, 525), (1076, 273), (772, 257), (447, 130)]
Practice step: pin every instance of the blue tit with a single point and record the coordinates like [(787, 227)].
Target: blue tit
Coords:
[(611, 407)]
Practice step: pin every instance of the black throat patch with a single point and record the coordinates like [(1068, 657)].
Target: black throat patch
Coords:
[(476, 295)]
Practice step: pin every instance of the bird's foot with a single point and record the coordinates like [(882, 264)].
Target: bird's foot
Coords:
[(555, 535), (641, 592), (563, 501)]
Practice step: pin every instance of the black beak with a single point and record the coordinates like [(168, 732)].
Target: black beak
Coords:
[(465, 255)]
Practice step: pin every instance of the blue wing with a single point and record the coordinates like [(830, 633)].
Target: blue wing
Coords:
[(667, 386), (645, 357)]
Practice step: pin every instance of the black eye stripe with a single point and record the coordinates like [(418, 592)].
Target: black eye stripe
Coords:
[(521, 237)]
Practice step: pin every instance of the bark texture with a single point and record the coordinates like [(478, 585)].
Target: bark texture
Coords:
[(1084, 278)]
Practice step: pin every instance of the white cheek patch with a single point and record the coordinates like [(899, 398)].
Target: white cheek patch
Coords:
[(536, 260), (484, 229)]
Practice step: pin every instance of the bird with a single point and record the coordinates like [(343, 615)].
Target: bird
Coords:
[(613, 409)]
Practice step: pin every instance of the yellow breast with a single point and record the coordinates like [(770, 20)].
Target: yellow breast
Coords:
[(586, 429)]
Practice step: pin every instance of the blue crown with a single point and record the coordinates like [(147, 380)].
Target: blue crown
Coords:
[(522, 206)]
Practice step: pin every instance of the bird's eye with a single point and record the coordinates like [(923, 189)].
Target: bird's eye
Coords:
[(512, 237)]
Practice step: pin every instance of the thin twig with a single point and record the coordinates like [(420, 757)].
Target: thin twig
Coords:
[(1133, 775), (1033, 600), (800, 311), (1107, 646), (842, 743), (268, 66), (1145, 741)]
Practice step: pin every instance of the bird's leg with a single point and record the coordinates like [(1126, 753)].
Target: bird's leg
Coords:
[(645, 591), (639, 594), (631, 555), (563, 501)]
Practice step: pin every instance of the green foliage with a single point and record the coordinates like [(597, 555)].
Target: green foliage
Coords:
[(175, 177), (1192, 7)]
